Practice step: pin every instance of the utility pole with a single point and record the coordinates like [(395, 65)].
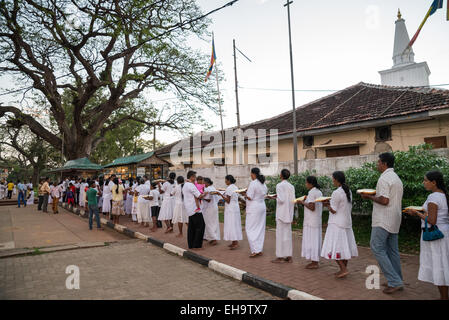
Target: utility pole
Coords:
[(295, 138), (154, 138)]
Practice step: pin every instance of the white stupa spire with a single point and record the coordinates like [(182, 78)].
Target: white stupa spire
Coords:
[(405, 71), (401, 40)]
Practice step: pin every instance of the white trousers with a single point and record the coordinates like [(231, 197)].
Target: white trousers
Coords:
[(284, 247), (142, 212)]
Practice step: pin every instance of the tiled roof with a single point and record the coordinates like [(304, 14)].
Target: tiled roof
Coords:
[(129, 160), (355, 104)]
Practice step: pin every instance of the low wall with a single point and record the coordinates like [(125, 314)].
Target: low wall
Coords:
[(322, 167)]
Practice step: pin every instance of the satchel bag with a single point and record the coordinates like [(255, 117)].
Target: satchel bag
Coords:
[(432, 233)]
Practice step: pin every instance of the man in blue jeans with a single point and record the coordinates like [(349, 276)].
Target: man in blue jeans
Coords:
[(387, 216), (93, 205), (22, 193)]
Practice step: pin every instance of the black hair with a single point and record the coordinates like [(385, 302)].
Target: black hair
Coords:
[(437, 176), (387, 158), (180, 181), (230, 178), (141, 181), (91, 183), (208, 181), (285, 173), (154, 184), (190, 174), (313, 181), (171, 177), (340, 177), (116, 185), (259, 176), (199, 178)]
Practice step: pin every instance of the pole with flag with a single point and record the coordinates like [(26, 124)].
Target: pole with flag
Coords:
[(436, 4), (213, 60)]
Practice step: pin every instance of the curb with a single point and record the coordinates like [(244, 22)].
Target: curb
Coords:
[(269, 286)]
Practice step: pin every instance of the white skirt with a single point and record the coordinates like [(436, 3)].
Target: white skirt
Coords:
[(232, 230), (129, 204), (284, 244), (212, 229), (106, 203), (167, 207), (179, 213), (311, 243), (256, 217), (434, 260), (339, 243)]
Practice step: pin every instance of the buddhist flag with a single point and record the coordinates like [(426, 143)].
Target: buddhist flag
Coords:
[(436, 4), (212, 60)]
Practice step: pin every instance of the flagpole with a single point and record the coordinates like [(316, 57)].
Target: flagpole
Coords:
[(221, 118)]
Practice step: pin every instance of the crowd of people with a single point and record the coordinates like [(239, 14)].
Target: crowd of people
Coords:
[(24, 191), (192, 201)]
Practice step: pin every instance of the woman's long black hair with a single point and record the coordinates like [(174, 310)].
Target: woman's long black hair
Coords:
[(180, 181), (259, 176), (313, 181), (230, 178), (116, 185), (437, 176), (340, 177)]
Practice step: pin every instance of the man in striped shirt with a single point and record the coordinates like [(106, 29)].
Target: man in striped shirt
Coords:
[(386, 221)]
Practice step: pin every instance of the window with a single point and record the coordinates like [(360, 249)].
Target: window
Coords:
[(307, 142), (383, 134), (342, 152), (437, 142)]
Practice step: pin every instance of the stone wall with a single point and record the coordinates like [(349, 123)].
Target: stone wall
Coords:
[(322, 167)]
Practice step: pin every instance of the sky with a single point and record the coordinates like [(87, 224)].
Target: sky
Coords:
[(336, 44)]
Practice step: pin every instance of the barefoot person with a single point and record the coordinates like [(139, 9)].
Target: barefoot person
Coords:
[(154, 205), (166, 213), (387, 216), (285, 207), (232, 230), (256, 212), (434, 255), (210, 213), (339, 242), (117, 201), (312, 232), (143, 203), (195, 230), (179, 212)]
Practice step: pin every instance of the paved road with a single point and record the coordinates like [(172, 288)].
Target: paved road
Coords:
[(129, 269), (29, 228)]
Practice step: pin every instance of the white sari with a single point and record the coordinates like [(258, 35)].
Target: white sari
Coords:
[(256, 215)]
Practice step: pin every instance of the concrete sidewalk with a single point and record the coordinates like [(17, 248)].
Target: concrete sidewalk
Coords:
[(26, 227), (320, 283)]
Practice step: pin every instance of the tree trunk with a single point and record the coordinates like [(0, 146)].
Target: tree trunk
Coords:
[(35, 177)]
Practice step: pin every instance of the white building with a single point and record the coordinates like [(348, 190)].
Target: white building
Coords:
[(405, 71)]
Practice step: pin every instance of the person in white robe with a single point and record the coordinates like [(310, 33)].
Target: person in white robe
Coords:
[(134, 204), (180, 215), (166, 212), (256, 212), (3, 189), (232, 229), (210, 213), (143, 191), (129, 197), (30, 199), (339, 242), (107, 197), (312, 225), (285, 208), (82, 193)]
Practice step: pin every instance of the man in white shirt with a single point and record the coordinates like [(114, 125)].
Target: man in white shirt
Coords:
[(285, 207), (386, 221), (195, 230)]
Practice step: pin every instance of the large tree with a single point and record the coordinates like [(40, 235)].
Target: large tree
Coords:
[(102, 48)]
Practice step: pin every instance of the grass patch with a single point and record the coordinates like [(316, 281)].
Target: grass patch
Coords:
[(409, 235)]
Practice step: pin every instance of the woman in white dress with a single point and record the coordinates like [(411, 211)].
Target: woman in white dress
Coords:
[(30, 199), (166, 213), (339, 242), (210, 213), (312, 225), (135, 200), (129, 197), (434, 255), (82, 193), (256, 212), (107, 197), (179, 212), (232, 230)]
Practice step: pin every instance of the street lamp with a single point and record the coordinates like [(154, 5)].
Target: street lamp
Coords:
[(295, 138)]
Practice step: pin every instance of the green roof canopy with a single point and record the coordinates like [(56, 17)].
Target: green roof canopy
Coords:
[(78, 164), (129, 160)]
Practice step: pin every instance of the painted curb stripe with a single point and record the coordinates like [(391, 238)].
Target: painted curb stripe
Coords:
[(226, 270), (129, 232), (140, 236), (197, 258), (274, 288), (299, 295), (156, 242), (174, 249), (110, 224)]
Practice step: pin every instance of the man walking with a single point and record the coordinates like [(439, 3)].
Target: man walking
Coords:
[(40, 194), (386, 221), (93, 205), (196, 227)]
